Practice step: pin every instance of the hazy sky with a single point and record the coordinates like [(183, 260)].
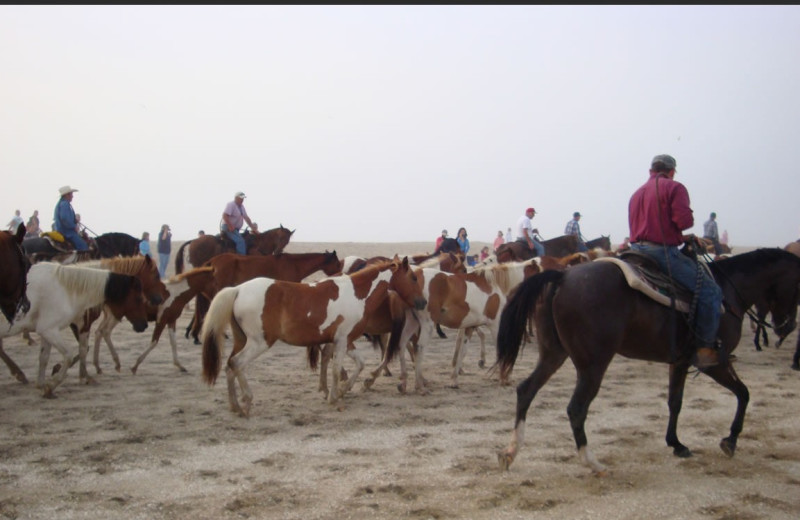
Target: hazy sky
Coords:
[(385, 124)]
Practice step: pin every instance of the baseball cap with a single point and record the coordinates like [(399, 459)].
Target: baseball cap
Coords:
[(576, 214), (666, 160), (530, 209), (240, 194)]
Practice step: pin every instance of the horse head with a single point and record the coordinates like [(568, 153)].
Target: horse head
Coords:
[(404, 282), (331, 264), (272, 241), (16, 265)]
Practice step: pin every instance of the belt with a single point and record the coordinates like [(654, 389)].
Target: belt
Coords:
[(648, 243)]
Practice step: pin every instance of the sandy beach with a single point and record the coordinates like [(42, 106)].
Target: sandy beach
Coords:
[(163, 445)]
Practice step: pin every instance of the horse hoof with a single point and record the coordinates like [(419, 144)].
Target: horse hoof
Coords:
[(504, 460), (133, 370), (197, 341), (401, 388), (21, 378), (368, 383), (482, 364), (682, 452), (728, 447), (601, 473), (796, 366)]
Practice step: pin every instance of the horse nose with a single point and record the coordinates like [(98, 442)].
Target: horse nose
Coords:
[(156, 299), (140, 326), (420, 303)]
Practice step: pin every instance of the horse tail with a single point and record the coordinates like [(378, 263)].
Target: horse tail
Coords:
[(179, 257), (220, 313), (515, 315), (312, 354)]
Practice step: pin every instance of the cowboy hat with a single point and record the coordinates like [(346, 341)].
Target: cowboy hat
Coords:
[(63, 190)]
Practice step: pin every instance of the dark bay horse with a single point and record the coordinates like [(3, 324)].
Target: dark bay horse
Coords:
[(13, 275), (107, 245), (206, 247), (589, 314), (519, 252), (603, 242)]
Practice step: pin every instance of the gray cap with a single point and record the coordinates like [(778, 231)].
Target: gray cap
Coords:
[(667, 160)]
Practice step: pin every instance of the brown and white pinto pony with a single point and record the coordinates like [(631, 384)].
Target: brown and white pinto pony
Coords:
[(263, 311), (225, 270), (457, 301)]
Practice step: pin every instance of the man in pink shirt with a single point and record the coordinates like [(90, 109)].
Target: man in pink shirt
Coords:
[(233, 218), (658, 213)]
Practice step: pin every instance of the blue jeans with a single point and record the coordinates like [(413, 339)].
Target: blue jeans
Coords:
[(582, 247), (539, 247), (684, 271), (163, 262), (76, 240), (237, 239)]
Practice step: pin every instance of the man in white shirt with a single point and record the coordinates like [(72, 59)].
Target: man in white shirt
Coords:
[(525, 232)]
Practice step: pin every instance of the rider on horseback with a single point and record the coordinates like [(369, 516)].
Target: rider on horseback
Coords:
[(525, 232), (64, 220), (233, 218), (658, 213)]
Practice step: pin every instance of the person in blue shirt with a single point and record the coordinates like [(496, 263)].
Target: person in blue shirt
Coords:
[(463, 241), (574, 228), (144, 245), (64, 219)]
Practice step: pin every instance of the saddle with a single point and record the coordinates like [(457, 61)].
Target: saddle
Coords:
[(644, 274), (229, 245), (57, 240)]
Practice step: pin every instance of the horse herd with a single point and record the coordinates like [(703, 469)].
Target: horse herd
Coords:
[(587, 307)]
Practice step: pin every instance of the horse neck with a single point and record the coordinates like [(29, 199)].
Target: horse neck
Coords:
[(371, 284)]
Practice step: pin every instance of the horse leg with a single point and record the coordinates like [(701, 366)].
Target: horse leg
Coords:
[(355, 356), (425, 335), (200, 311), (52, 338), (440, 332), (83, 351), (104, 332), (173, 343), (795, 358), (325, 355), (44, 357), (549, 362), (369, 381), (458, 355), (589, 379), (482, 336), (240, 358), (677, 381), (18, 374), (384, 339), (725, 375)]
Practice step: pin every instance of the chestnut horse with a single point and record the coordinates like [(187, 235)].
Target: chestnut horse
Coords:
[(589, 313), (59, 293), (263, 311)]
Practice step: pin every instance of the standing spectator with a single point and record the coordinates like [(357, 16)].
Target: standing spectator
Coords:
[(724, 239), (574, 228), (711, 232), (164, 249), (201, 233), (14, 223), (525, 232), (463, 241), (439, 239), (65, 221), (509, 236), (499, 240), (32, 227), (144, 244), (233, 217)]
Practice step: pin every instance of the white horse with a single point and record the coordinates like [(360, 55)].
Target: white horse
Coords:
[(59, 295)]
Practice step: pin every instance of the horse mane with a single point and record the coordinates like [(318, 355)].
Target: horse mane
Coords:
[(79, 279), (434, 261), (747, 262), (130, 265)]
